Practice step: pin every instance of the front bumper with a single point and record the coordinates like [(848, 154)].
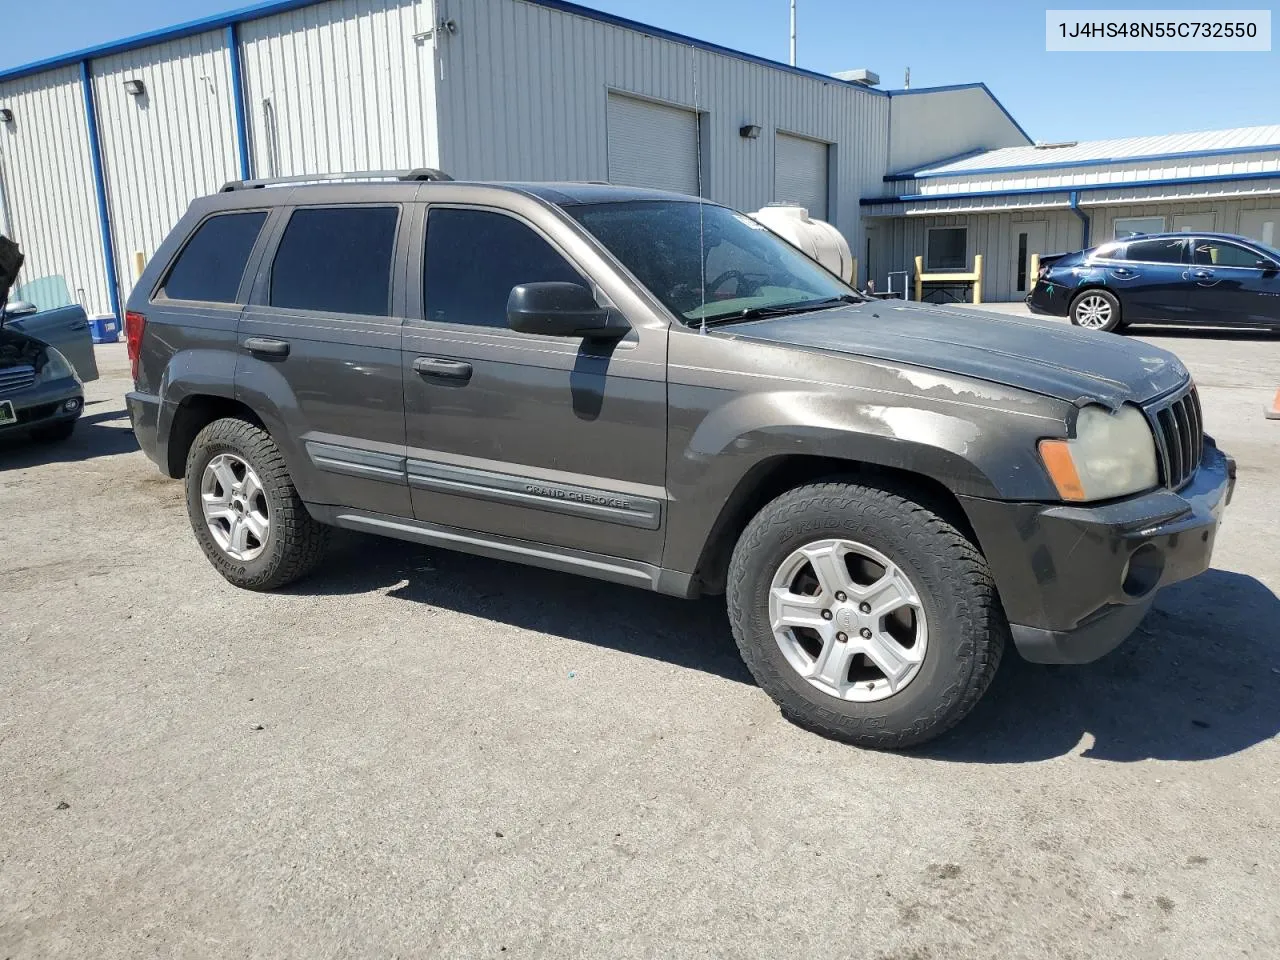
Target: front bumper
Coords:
[(1077, 580), (44, 404)]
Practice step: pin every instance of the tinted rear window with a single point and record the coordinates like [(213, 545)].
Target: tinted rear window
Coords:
[(1155, 251), (336, 259), (211, 265)]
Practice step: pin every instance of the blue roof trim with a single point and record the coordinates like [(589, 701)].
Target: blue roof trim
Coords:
[(967, 86), (1099, 162), (190, 28), (1067, 189)]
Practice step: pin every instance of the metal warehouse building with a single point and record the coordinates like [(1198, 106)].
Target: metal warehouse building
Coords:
[(102, 150), (1009, 203)]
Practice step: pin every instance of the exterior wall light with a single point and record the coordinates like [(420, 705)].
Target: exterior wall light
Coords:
[(6, 115), (135, 88), (750, 132)]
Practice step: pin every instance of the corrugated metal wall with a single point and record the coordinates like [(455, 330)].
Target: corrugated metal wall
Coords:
[(341, 86), (898, 241), (524, 91), (45, 174), (168, 146)]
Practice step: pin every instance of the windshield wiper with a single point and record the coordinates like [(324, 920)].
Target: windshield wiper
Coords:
[(781, 310)]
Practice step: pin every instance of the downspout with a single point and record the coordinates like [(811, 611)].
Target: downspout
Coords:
[(1084, 219), (100, 188), (237, 97)]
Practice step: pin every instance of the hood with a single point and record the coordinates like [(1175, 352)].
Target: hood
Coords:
[(18, 349), (1037, 355)]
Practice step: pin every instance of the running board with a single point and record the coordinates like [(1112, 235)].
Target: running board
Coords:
[(633, 573)]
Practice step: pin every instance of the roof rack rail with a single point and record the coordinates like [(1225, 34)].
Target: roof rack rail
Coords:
[(418, 174)]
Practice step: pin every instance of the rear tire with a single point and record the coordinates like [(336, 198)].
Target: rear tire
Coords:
[(238, 485), (1096, 309), (943, 641)]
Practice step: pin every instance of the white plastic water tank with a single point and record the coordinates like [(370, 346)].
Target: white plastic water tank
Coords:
[(817, 239)]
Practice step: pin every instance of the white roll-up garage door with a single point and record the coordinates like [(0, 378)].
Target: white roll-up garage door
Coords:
[(800, 173), (652, 145)]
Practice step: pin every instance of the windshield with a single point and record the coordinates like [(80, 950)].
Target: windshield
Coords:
[(748, 270)]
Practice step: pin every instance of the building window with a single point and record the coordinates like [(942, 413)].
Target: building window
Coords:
[(1135, 226), (1022, 262), (946, 249)]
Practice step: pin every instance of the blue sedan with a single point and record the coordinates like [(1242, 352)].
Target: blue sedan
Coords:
[(1211, 279)]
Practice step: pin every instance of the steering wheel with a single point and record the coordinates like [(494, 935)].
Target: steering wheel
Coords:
[(748, 283)]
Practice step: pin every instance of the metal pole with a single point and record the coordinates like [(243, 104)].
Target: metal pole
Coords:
[(793, 32)]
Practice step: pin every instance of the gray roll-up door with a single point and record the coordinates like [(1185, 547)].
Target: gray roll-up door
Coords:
[(800, 173), (652, 145)]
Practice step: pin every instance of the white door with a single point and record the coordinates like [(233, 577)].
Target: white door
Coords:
[(1195, 222), (1260, 225), (652, 145), (1026, 239), (800, 173)]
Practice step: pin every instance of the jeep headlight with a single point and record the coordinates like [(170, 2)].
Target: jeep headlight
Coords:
[(55, 367), (1112, 454)]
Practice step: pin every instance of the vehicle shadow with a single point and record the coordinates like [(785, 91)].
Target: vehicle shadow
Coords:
[(690, 634), (102, 434), (1199, 679)]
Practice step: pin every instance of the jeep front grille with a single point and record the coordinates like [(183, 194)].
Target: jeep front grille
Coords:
[(1179, 433), (13, 379)]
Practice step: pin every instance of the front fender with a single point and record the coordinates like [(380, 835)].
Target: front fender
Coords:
[(974, 449)]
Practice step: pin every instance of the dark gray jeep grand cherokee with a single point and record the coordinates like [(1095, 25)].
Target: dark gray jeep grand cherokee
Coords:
[(638, 387)]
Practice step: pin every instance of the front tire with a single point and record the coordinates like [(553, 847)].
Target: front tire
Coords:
[(1096, 309), (246, 514), (867, 617)]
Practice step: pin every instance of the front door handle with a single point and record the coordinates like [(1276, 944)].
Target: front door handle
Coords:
[(79, 325), (1202, 274), (265, 347), (442, 368)]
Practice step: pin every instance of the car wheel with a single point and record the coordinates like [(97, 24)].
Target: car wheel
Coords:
[(1096, 309), (244, 509), (54, 433), (866, 616)]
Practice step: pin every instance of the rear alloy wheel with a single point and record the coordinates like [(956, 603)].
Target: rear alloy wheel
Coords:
[(867, 616), (1096, 310), (245, 512)]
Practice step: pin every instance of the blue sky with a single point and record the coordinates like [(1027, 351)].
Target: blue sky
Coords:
[(1055, 96)]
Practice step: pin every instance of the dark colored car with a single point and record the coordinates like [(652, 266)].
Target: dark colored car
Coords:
[(41, 394), (1211, 279), (639, 387)]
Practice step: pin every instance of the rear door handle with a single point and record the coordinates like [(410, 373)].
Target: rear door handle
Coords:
[(442, 368), (1202, 274), (1122, 271), (264, 347)]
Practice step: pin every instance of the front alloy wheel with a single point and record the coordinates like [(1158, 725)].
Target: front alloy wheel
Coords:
[(848, 620), (866, 615)]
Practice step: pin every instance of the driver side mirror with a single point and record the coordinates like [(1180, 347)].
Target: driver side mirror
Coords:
[(1263, 263), (558, 309)]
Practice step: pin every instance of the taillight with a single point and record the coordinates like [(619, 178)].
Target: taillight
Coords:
[(134, 324)]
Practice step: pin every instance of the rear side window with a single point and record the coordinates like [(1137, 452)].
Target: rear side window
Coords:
[(1155, 251), (337, 260), (473, 260), (211, 265)]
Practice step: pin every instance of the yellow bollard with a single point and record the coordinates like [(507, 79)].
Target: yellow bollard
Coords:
[(977, 278), (139, 264), (919, 279), (1035, 269)]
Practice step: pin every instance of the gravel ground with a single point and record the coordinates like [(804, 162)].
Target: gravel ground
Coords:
[(421, 754)]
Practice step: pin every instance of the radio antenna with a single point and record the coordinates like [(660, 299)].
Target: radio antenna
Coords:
[(702, 233)]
